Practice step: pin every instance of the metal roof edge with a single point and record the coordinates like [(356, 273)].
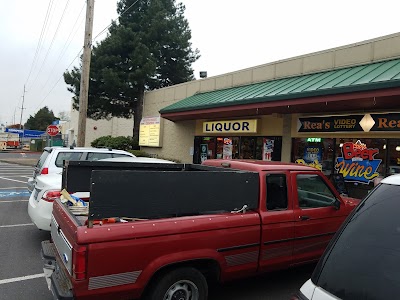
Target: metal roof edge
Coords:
[(341, 90)]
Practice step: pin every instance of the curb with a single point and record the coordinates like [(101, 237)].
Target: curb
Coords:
[(27, 162)]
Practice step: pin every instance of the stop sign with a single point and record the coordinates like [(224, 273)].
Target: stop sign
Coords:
[(52, 130)]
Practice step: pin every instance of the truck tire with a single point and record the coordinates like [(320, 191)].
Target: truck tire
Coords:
[(179, 284)]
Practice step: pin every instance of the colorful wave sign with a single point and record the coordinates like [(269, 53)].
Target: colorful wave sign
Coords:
[(357, 163)]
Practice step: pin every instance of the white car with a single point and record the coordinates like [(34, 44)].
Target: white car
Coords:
[(362, 260), (47, 189), (52, 158)]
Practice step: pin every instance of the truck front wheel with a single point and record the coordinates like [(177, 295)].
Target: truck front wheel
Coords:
[(180, 284)]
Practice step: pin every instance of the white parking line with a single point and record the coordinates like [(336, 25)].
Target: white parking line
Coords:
[(15, 175), (9, 201), (16, 225), (16, 279), (13, 180)]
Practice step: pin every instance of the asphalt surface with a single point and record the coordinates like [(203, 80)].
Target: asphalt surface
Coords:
[(19, 157), (21, 269)]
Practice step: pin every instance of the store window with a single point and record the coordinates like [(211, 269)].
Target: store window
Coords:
[(361, 162), (229, 147), (315, 152), (393, 165)]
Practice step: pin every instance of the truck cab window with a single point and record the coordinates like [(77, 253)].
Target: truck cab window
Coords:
[(313, 191), (276, 192)]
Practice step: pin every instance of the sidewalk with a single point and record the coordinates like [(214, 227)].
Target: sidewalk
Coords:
[(20, 161)]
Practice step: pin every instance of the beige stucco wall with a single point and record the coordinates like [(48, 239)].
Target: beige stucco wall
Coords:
[(114, 127), (176, 140)]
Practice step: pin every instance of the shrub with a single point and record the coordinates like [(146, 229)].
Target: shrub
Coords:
[(139, 153), (119, 142)]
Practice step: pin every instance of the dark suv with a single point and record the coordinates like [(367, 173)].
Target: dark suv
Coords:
[(363, 259)]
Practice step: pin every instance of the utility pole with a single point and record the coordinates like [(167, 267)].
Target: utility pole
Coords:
[(84, 86), (22, 108)]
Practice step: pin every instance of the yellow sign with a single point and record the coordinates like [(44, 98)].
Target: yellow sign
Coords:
[(149, 134), (231, 126)]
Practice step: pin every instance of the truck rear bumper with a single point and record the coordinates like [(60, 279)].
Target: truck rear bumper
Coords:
[(57, 279)]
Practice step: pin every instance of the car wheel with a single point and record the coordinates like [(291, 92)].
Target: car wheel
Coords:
[(179, 284)]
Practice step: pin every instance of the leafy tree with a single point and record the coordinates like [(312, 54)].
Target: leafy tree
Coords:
[(64, 116), (43, 118), (149, 48)]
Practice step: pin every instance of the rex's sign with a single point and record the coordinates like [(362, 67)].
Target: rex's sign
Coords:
[(351, 123), (386, 122)]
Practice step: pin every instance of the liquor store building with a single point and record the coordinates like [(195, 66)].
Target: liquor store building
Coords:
[(337, 110)]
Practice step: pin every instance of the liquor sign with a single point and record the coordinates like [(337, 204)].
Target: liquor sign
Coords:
[(149, 133), (231, 126), (357, 163)]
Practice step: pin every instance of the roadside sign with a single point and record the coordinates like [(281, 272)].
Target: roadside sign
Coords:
[(52, 130)]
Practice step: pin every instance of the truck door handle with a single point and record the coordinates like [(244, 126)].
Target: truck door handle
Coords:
[(303, 218)]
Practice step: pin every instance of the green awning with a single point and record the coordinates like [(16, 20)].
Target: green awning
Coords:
[(378, 75)]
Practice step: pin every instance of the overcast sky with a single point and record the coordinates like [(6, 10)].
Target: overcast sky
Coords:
[(230, 34)]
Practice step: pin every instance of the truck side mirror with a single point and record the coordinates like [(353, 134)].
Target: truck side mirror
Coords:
[(336, 204)]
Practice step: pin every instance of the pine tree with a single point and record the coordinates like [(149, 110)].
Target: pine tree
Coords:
[(148, 48), (43, 118)]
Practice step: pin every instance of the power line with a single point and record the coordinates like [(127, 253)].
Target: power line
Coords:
[(65, 47), (125, 11), (58, 80), (52, 41), (109, 25), (40, 39)]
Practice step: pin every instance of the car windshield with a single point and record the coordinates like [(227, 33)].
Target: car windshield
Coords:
[(363, 262)]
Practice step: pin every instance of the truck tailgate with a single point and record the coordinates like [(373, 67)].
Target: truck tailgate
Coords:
[(58, 254)]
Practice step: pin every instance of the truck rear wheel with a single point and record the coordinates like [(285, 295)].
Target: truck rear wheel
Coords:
[(180, 284)]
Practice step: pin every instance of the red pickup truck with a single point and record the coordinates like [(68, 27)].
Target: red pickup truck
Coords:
[(167, 231)]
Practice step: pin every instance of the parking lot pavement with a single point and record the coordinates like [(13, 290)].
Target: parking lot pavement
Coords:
[(21, 267), (21, 271)]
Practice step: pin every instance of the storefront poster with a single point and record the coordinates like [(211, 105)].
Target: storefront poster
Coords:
[(312, 157), (268, 148), (203, 152), (312, 154), (149, 132), (227, 149), (357, 163)]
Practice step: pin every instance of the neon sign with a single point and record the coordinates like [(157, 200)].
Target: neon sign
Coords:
[(314, 140), (357, 163)]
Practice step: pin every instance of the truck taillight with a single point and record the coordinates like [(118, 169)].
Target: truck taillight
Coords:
[(45, 171), (79, 262), (51, 196)]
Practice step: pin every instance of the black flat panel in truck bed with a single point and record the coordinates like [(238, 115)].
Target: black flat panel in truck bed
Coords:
[(156, 194), (77, 174)]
